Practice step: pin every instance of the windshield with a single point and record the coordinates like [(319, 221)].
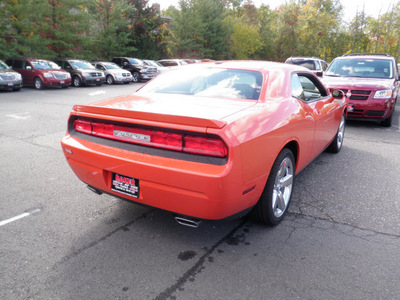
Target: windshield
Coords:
[(81, 64), (208, 82), (135, 61), (153, 63), (3, 66), (111, 66), (361, 67), (42, 65)]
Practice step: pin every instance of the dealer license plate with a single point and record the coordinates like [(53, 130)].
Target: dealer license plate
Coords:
[(62, 81), (125, 185)]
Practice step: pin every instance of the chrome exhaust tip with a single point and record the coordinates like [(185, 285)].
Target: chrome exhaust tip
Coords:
[(94, 190), (194, 223)]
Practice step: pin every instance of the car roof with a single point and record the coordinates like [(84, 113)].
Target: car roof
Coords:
[(366, 56), (254, 65)]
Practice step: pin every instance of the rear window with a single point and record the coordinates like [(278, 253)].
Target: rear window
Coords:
[(309, 64), (208, 82)]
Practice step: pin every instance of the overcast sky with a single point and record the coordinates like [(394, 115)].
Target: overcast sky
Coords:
[(372, 7)]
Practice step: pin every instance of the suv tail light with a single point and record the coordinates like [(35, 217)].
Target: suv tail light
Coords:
[(154, 138)]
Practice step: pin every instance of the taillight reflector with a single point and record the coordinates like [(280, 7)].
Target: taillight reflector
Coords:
[(154, 138), (204, 146), (83, 126)]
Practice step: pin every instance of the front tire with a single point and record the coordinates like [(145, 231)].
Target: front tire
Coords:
[(76, 81), (38, 83), (136, 76), (275, 199), (388, 121), (337, 142), (110, 79)]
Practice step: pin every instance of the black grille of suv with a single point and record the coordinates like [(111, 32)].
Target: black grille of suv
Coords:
[(95, 74), (357, 94)]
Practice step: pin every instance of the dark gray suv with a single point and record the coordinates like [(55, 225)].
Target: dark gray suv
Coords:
[(140, 71), (82, 72)]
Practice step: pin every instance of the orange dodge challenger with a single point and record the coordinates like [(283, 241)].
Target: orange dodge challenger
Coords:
[(208, 141)]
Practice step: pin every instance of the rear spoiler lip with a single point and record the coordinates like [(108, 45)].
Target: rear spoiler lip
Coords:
[(87, 110)]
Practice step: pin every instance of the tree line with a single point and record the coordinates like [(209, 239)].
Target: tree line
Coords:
[(203, 29)]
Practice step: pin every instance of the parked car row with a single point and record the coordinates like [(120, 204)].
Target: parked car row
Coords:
[(63, 72)]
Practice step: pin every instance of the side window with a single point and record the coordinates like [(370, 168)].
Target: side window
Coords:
[(18, 64), (297, 88), (324, 65), (27, 65), (311, 88)]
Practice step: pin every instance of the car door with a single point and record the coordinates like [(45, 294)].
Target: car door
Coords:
[(21, 67), (325, 110)]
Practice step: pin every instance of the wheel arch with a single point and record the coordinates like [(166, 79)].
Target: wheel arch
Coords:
[(294, 147)]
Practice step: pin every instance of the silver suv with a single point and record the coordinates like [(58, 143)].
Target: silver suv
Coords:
[(9, 79)]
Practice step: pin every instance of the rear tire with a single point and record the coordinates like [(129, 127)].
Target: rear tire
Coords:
[(275, 199), (337, 142), (76, 81)]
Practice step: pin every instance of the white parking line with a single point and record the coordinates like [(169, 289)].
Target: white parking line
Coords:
[(97, 93), (2, 223), (19, 116)]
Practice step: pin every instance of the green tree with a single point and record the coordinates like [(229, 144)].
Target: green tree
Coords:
[(267, 20), (317, 20), (111, 29), (287, 30), (149, 33), (245, 40), (201, 29)]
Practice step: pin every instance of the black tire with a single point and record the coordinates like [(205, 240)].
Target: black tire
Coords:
[(76, 81), (37, 83), (388, 121), (337, 142), (110, 79), (136, 76), (275, 199)]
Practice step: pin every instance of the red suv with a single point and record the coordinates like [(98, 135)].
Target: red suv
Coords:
[(40, 73), (371, 81)]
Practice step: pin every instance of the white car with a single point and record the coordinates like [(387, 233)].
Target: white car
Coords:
[(114, 74)]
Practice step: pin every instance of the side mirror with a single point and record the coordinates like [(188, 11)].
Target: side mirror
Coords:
[(125, 63), (68, 67), (319, 74), (29, 68), (337, 94)]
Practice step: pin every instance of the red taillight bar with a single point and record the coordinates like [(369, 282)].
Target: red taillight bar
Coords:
[(154, 138)]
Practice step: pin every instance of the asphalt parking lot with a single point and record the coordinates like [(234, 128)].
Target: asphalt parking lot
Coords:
[(341, 239)]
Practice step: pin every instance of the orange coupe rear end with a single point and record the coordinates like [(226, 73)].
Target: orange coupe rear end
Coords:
[(208, 141)]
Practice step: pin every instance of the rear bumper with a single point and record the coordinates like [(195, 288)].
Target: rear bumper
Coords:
[(184, 187)]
